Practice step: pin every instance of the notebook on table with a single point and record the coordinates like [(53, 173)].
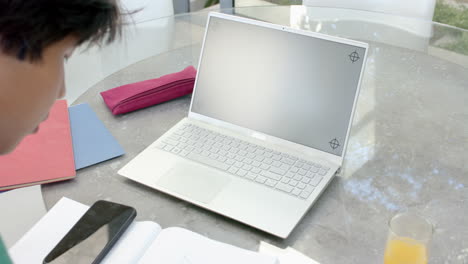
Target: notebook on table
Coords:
[(267, 127), (92, 141), (44, 157), (142, 243)]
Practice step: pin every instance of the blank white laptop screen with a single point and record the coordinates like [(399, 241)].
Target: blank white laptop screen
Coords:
[(287, 85)]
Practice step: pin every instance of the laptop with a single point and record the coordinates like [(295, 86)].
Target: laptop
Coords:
[(267, 127)]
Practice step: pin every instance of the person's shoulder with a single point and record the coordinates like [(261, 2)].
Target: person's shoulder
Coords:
[(4, 258)]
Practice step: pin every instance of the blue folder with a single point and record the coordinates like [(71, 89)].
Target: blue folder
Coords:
[(92, 142)]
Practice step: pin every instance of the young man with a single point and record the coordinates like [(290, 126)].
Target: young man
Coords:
[(36, 36)]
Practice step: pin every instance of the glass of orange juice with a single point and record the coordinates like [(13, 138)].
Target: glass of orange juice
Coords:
[(408, 239)]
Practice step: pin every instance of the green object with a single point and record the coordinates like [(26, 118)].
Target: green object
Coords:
[(209, 3), (449, 38), (4, 259), (451, 14)]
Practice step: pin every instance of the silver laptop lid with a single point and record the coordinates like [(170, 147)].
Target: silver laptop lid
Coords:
[(295, 85)]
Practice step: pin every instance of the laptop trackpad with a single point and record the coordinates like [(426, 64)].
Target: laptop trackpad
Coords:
[(194, 182)]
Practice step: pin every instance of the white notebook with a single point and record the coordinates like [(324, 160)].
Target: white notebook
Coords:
[(143, 242)]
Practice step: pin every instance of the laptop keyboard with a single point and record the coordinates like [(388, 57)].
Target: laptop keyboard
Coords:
[(276, 170)]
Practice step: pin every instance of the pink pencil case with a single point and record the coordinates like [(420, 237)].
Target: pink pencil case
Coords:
[(134, 96)]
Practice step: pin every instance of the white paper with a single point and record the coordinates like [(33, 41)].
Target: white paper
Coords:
[(143, 241), (45, 234), (133, 243), (34, 246), (20, 210), (285, 256), (180, 246)]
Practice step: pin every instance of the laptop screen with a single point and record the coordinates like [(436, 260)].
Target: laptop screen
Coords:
[(291, 86)]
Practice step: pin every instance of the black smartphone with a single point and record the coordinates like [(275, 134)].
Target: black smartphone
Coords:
[(93, 235)]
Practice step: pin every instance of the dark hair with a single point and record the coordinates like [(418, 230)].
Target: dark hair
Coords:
[(27, 27)]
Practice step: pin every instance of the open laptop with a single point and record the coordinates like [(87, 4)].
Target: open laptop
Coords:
[(267, 127)]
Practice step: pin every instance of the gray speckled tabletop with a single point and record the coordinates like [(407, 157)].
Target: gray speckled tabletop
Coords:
[(407, 148)]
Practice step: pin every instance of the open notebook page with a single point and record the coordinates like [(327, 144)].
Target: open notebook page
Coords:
[(133, 243), (180, 246), (45, 234), (34, 246)]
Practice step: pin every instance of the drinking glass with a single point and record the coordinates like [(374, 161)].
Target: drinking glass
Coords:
[(408, 239)]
